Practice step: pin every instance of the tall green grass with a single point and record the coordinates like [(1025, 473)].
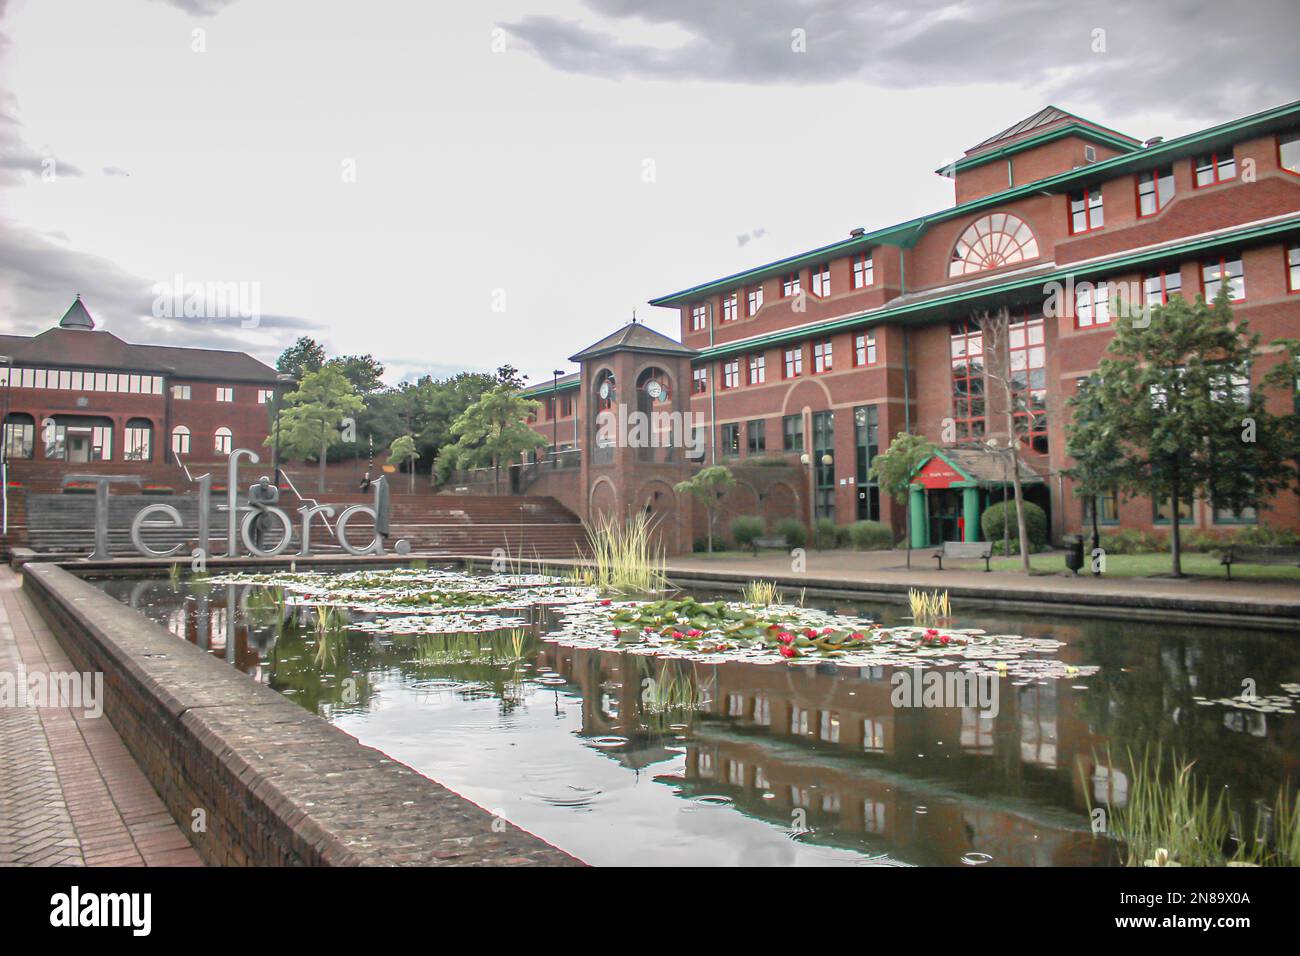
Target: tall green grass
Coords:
[(1171, 818), (624, 556)]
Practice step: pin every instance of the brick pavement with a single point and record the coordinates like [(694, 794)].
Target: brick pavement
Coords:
[(70, 792)]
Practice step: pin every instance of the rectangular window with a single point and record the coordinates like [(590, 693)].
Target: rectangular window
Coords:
[(863, 270), (757, 369), (790, 285), (1214, 168), (78, 379), (793, 362), (966, 348), (1107, 506), (1288, 151), (1229, 385), (1293, 268), (265, 396), (223, 394), (1027, 349), (699, 380), (699, 316), (864, 348), (731, 440), (65, 379), (730, 373), (1229, 516), (1218, 271), (823, 447), (19, 439), (822, 359), (1155, 189), (135, 444), (1086, 211), (101, 382), (730, 307), (866, 441), (1161, 512), (821, 280), (1091, 305), (1159, 286), (756, 436), (792, 433), (754, 299), (566, 406)]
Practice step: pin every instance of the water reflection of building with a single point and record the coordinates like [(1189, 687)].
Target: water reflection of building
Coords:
[(825, 743)]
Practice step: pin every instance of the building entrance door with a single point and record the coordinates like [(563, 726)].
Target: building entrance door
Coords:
[(945, 514), (78, 446)]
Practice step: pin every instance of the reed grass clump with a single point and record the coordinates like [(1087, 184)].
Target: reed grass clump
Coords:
[(1170, 819), (764, 593), (929, 606), (624, 556)]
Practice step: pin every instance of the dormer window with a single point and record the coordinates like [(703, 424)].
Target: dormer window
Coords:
[(991, 243)]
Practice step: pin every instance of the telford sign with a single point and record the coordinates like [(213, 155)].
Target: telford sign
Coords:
[(245, 524)]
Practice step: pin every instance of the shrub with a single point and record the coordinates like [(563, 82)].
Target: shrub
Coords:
[(871, 535), (1035, 524), (824, 534), (795, 534), (746, 528), (1132, 541)]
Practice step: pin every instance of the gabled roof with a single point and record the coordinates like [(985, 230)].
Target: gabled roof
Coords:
[(82, 348), (1048, 124), (981, 466), (633, 337), (76, 317)]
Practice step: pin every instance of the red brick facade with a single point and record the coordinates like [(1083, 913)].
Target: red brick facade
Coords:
[(1042, 176)]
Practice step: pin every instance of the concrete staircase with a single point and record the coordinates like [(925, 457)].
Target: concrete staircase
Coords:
[(434, 525)]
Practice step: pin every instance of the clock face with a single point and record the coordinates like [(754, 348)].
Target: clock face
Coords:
[(604, 389), (654, 390)]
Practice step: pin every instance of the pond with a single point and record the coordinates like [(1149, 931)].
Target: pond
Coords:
[(724, 753)]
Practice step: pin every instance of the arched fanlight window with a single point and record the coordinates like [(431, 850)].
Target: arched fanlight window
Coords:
[(655, 384), (137, 440), (180, 440), (991, 243), (224, 441)]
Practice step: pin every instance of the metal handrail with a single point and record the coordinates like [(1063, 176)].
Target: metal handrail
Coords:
[(285, 476)]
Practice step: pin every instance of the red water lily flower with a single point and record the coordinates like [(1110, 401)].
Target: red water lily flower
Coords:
[(788, 651), (606, 603), (694, 633), (945, 639), (828, 630), (617, 632), (678, 635), (931, 632), (785, 637)]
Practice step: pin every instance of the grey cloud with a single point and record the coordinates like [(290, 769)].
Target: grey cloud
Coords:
[(115, 171), (199, 8), (1186, 55)]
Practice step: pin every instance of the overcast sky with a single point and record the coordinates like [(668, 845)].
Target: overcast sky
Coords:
[(455, 185)]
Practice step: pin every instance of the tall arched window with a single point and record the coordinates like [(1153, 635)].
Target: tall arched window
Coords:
[(137, 441), (654, 394), (180, 440), (19, 435), (224, 441), (991, 243), (606, 391)]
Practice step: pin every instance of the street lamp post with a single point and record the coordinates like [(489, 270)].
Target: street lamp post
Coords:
[(8, 362), (555, 418), (281, 380)]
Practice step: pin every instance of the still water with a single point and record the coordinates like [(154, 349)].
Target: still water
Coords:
[(740, 763)]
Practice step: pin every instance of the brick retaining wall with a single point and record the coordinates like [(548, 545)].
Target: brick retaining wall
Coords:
[(278, 785)]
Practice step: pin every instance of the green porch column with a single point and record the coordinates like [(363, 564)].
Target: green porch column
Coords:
[(916, 502), (970, 508)]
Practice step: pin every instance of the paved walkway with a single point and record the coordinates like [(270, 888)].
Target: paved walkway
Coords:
[(867, 568), (70, 792)]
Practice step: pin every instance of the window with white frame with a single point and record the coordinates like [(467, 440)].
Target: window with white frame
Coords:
[(223, 442)]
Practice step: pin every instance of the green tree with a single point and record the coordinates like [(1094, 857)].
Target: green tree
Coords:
[(1285, 378), (1092, 444), (493, 429), (305, 355), (324, 403), (365, 372), (401, 451), (893, 469), (707, 486), (1172, 415)]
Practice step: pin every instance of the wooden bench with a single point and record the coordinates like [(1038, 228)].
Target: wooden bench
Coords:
[(965, 549), (1258, 554), (769, 542)]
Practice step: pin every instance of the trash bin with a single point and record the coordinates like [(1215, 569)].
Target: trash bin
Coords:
[(1073, 552)]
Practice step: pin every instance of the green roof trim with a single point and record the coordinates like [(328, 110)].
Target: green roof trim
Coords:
[(907, 233), (887, 313), (573, 380), (1125, 143)]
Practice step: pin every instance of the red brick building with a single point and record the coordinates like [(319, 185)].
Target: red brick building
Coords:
[(826, 354), (78, 398)]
